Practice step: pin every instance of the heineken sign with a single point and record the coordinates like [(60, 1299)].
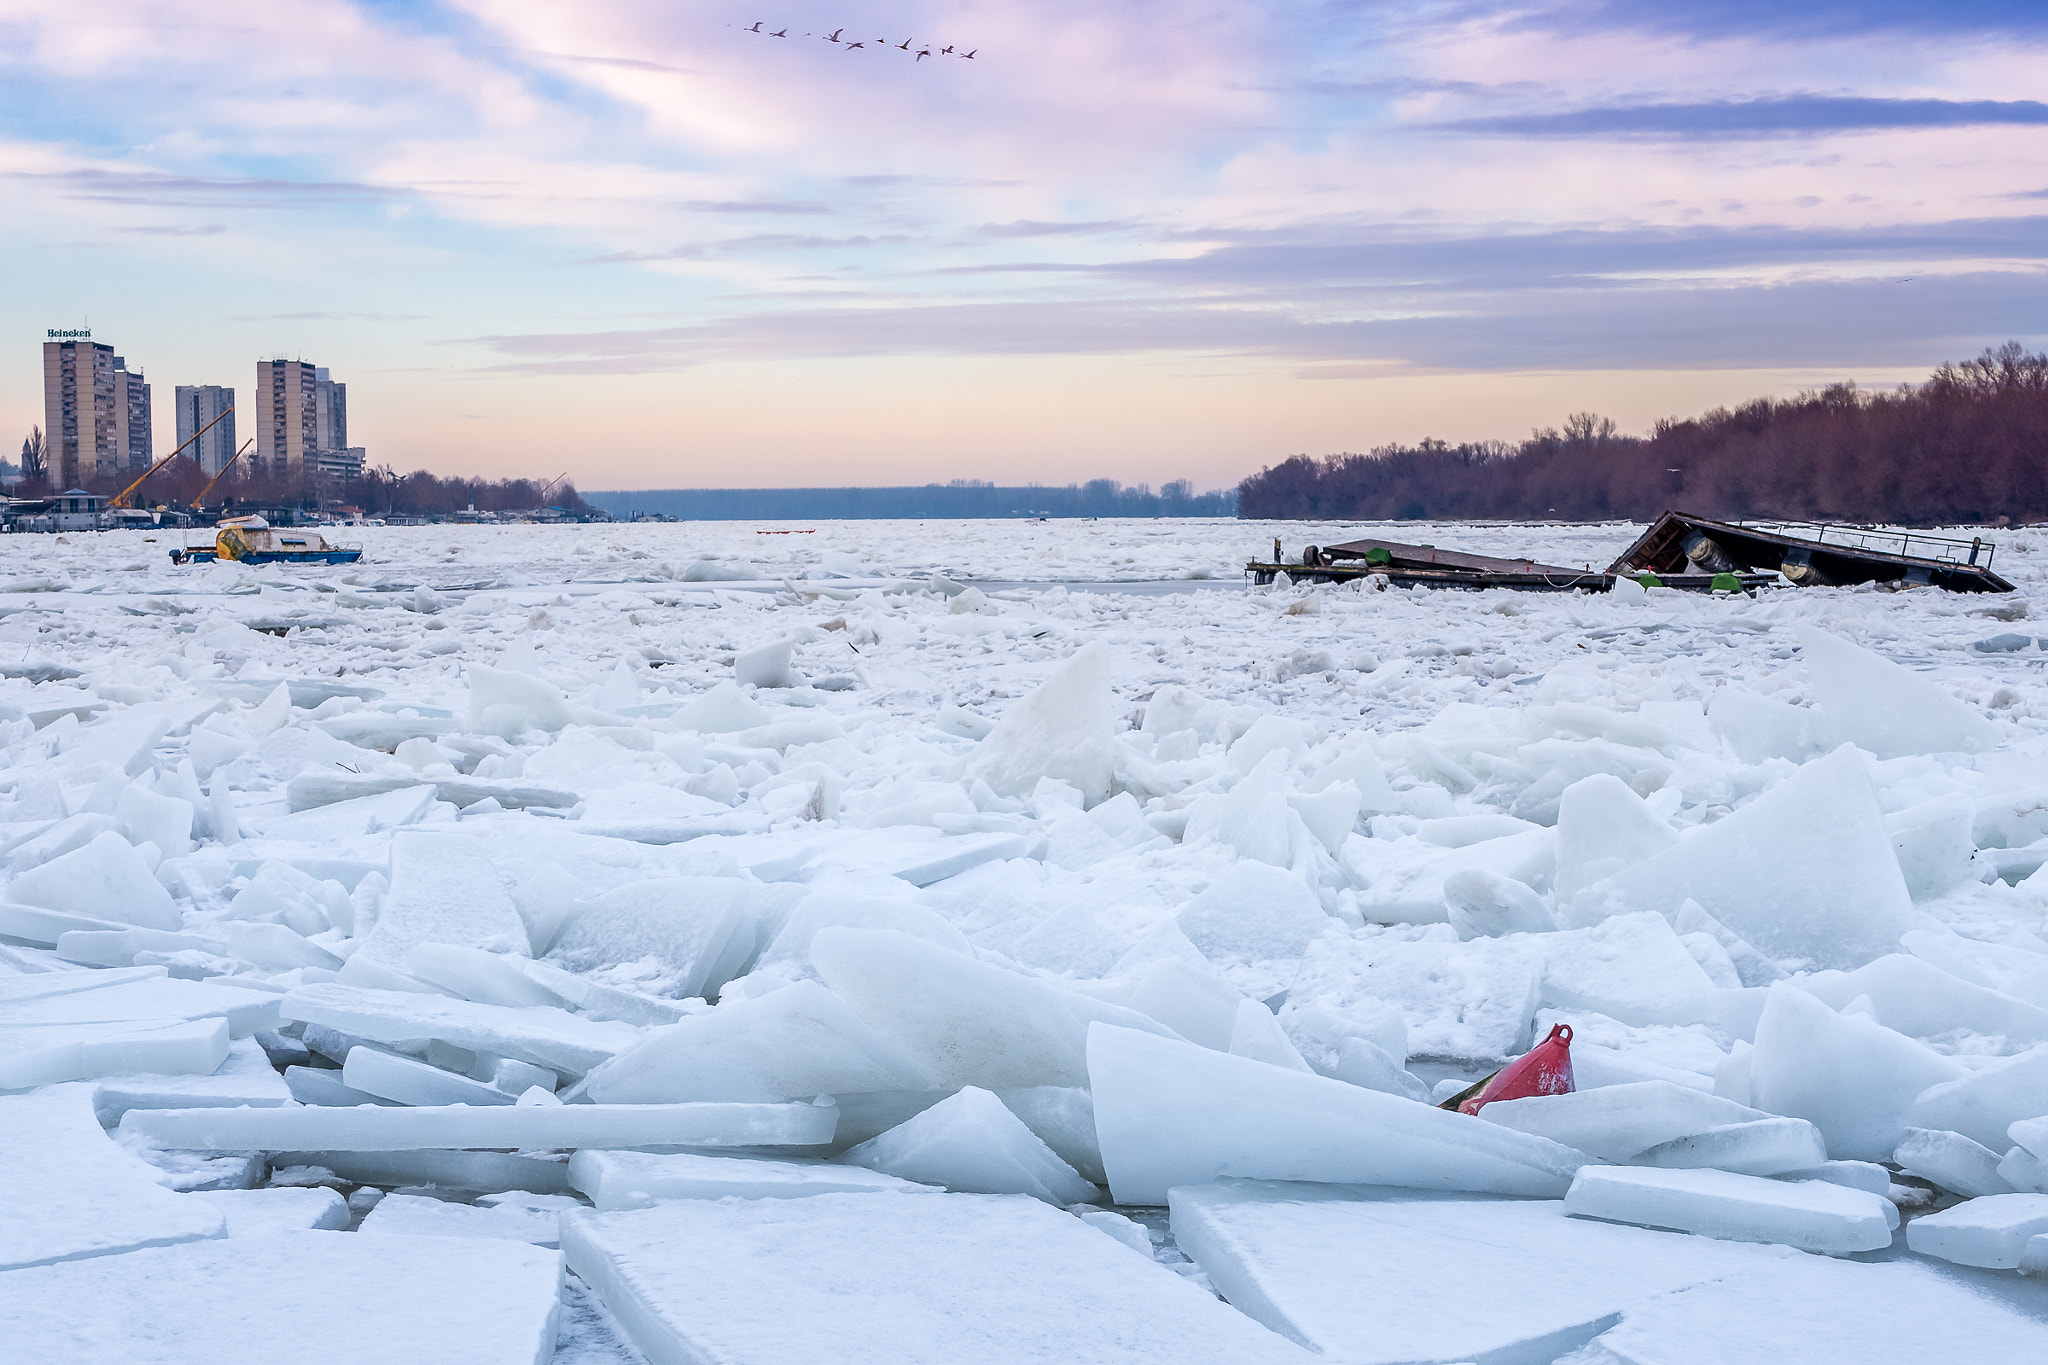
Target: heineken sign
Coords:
[(77, 334)]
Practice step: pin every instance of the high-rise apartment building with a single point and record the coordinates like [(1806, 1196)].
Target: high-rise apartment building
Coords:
[(134, 445), (287, 418), (78, 408), (330, 411), (199, 404)]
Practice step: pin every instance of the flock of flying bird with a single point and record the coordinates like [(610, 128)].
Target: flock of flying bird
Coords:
[(904, 46)]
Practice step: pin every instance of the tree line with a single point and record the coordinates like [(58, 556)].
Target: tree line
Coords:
[(1967, 447), (962, 498), (376, 492)]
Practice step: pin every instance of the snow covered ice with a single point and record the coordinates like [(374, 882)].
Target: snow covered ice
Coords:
[(1009, 941)]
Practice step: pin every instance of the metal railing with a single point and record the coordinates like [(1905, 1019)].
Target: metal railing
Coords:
[(1975, 552)]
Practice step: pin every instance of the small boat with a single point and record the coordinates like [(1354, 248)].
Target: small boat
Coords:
[(252, 540)]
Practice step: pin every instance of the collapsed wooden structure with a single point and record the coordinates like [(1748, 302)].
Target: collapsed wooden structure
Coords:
[(1813, 554), (1697, 554)]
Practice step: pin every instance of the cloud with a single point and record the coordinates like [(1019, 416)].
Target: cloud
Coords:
[(1789, 116), (173, 230), (1809, 19), (162, 190), (1648, 324)]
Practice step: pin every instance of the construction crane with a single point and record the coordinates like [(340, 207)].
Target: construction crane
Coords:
[(541, 498), (196, 502), (120, 499)]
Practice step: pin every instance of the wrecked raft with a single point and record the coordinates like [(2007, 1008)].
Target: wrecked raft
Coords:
[(1427, 566), (1811, 554)]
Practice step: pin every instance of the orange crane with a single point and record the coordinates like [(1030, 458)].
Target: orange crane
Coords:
[(222, 475), (120, 499)]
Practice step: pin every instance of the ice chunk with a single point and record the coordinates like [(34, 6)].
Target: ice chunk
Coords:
[(1380, 1277), (277, 1208), (1850, 1077), (398, 1078), (1989, 1232), (1821, 1312), (225, 1302), (2031, 1134), (791, 1044), (1934, 844), (1856, 1175), (551, 1038), (1189, 998), (1254, 914), (505, 703), (721, 709), (246, 1010), (105, 880), (412, 1215), (765, 666), (1805, 871), (1461, 1000), (316, 1085), (1615, 1122), (1063, 1117), (1330, 814), (879, 1279), (67, 1191), (1256, 1034), (1406, 885), (245, 1076), (144, 817), (827, 909), (965, 1022), (1951, 1161), (445, 1170), (1887, 709), (443, 890), (47, 1053), (1921, 1000), (1603, 827), (1487, 905), (970, 1142), (1132, 1235), (1752, 968), (1170, 1113), (1061, 729), (476, 975), (2024, 1171), (1758, 1147), (637, 1180), (1813, 1216), (698, 931), (1360, 767), (370, 1129), (1631, 968)]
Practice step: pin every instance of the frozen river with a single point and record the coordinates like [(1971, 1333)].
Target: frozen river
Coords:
[(530, 896)]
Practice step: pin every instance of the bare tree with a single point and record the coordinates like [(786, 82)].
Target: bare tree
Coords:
[(32, 454)]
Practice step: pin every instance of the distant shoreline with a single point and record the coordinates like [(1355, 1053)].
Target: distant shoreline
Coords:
[(1100, 498)]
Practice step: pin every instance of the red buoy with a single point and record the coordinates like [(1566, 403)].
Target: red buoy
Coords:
[(1545, 1069)]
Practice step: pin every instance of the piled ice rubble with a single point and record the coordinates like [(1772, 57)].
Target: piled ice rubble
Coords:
[(526, 953)]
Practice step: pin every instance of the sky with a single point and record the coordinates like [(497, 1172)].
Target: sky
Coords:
[(641, 243)]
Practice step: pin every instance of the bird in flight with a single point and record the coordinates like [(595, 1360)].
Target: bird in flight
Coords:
[(922, 50)]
